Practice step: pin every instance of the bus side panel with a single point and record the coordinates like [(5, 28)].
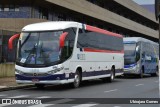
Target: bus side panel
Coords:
[(96, 52), (149, 58), (96, 63)]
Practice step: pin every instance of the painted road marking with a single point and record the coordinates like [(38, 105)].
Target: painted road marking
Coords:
[(2, 95), (139, 84), (44, 97), (156, 81), (111, 90), (3, 105), (41, 105), (85, 105), (62, 101), (20, 96)]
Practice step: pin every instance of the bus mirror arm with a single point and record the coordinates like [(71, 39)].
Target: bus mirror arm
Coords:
[(10, 42), (62, 39)]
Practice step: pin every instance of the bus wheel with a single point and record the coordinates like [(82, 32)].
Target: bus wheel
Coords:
[(77, 79), (142, 72), (40, 86), (157, 71), (105, 79), (112, 77)]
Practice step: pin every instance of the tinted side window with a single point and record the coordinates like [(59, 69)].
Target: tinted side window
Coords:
[(99, 41)]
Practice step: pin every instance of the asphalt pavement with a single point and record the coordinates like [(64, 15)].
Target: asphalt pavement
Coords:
[(91, 93)]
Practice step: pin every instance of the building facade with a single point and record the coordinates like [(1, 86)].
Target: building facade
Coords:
[(157, 14), (121, 16)]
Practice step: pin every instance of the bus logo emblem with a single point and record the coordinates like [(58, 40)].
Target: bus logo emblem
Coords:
[(35, 74)]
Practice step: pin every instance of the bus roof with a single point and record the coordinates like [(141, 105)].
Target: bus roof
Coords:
[(48, 26), (60, 25), (137, 39)]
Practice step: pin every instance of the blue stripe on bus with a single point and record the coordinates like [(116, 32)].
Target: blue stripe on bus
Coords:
[(62, 76), (40, 78), (94, 73), (129, 42), (97, 73), (130, 65)]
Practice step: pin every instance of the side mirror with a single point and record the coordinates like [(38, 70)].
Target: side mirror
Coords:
[(137, 48), (10, 42), (62, 39)]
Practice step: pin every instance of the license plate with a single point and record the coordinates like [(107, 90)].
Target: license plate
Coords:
[(35, 80)]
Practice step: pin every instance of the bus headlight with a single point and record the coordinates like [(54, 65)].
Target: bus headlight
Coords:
[(18, 71), (133, 67), (51, 72), (138, 67), (56, 69)]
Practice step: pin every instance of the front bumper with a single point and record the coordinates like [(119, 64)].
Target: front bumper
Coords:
[(50, 79), (56, 82), (131, 70)]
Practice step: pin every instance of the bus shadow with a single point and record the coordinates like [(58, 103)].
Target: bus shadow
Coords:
[(65, 87), (135, 77), (87, 84)]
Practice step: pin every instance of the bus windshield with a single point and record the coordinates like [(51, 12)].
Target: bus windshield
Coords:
[(129, 53), (40, 48), (129, 50)]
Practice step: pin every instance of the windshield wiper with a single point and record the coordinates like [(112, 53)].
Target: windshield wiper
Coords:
[(26, 39), (21, 44), (33, 50)]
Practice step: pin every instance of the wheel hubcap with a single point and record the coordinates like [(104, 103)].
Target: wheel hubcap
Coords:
[(157, 73), (112, 76), (76, 79)]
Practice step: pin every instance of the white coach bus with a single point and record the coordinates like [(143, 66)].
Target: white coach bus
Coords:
[(67, 52), (141, 56)]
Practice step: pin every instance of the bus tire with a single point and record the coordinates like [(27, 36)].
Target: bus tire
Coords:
[(77, 79), (105, 79), (40, 86), (112, 77), (142, 72), (157, 72)]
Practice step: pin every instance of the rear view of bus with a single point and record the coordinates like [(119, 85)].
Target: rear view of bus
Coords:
[(140, 56)]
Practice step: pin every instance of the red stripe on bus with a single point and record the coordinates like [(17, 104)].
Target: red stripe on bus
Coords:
[(98, 30), (103, 51)]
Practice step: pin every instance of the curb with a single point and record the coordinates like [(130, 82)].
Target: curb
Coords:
[(15, 87)]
